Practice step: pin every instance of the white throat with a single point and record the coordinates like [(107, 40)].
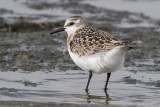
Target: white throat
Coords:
[(71, 30)]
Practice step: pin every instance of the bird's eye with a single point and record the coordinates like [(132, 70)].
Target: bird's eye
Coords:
[(72, 23)]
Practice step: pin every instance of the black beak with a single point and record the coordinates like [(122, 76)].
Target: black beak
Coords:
[(58, 30)]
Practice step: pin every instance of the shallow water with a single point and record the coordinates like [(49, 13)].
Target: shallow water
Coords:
[(147, 7), (125, 88), (36, 70)]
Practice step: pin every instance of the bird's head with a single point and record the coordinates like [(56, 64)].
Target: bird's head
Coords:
[(72, 24)]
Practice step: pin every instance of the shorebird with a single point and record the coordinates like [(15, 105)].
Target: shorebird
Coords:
[(91, 49)]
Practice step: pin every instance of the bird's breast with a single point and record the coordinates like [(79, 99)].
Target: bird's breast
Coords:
[(100, 62)]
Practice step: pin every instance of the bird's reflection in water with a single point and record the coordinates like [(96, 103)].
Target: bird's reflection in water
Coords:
[(92, 97), (107, 96)]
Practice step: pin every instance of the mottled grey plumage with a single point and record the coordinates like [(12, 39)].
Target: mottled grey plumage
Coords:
[(90, 40)]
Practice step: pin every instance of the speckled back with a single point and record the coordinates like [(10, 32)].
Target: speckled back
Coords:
[(90, 40)]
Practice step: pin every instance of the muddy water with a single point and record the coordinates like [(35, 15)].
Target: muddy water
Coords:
[(36, 70)]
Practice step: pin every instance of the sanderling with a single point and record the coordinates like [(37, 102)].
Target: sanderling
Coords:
[(91, 49)]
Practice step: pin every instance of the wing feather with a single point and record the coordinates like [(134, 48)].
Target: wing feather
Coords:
[(89, 41)]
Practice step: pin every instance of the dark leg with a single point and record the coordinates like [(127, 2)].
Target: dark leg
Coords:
[(108, 76), (89, 78), (107, 97)]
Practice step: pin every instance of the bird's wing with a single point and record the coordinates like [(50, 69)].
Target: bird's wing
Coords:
[(90, 41)]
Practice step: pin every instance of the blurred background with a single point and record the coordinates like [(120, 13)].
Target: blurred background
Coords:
[(36, 69)]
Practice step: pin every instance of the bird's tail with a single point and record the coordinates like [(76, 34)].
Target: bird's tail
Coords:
[(128, 44)]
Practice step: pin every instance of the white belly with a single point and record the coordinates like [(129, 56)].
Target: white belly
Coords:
[(101, 62)]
